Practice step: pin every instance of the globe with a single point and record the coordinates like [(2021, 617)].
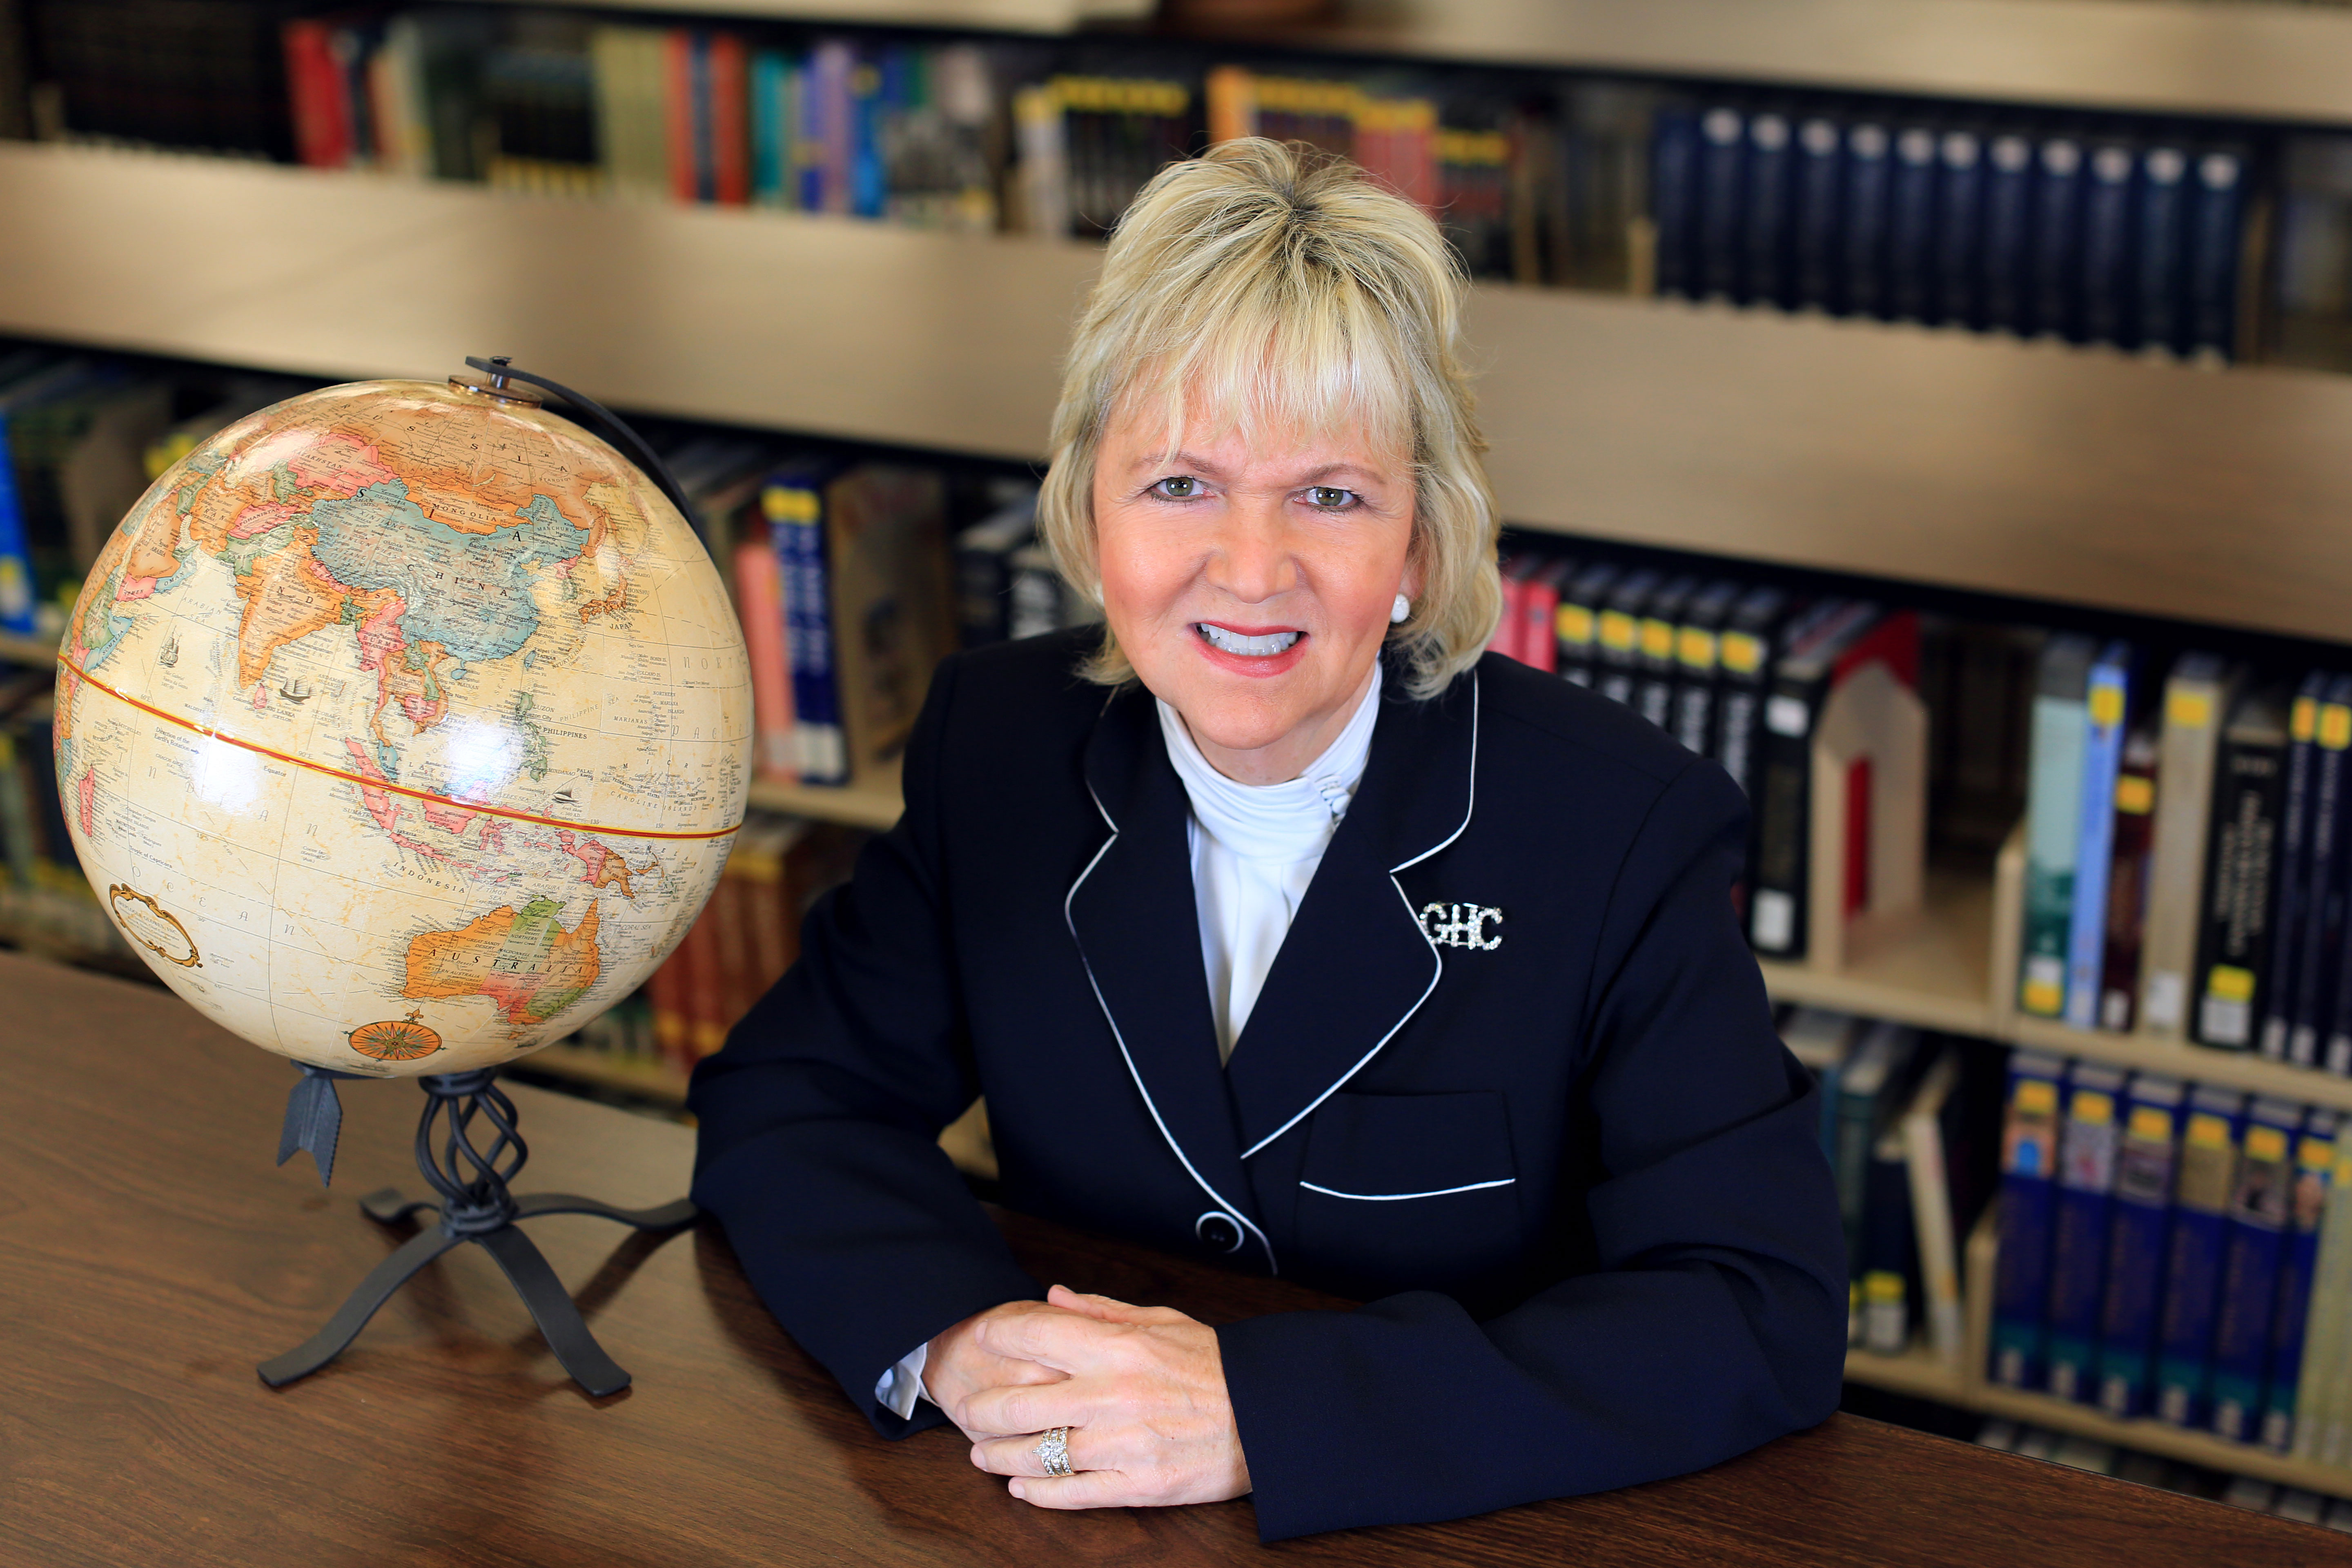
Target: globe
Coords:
[(404, 728)]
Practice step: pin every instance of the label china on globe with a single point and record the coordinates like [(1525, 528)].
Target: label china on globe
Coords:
[(405, 728)]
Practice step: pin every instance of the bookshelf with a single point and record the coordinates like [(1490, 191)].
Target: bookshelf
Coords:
[(26, 650), (873, 801), (2019, 470), (2254, 61)]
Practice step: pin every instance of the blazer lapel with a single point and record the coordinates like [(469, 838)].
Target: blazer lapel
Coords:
[(1133, 914), (1356, 963)]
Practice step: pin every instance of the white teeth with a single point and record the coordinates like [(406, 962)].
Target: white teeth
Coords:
[(1265, 646)]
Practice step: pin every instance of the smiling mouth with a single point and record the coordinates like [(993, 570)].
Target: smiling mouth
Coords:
[(1232, 642)]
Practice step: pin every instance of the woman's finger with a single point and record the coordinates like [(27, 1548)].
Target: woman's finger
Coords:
[(1088, 1489), (1108, 1309), (1019, 1456), (1038, 1407)]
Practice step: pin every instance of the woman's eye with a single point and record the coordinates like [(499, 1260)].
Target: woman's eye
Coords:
[(1329, 498), (1177, 487)]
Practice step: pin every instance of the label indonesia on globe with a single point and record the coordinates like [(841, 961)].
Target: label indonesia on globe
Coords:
[(404, 728)]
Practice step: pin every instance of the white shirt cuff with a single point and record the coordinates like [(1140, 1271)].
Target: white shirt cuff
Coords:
[(902, 1385)]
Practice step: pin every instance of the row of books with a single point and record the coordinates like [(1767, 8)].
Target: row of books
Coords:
[(2188, 852), (2095, 236), (44, 901), (2145, 1470), (1810, 704), (2176, 1250), (1911, 1124)]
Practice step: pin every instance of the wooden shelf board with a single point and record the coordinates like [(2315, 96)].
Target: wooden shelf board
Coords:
[(1934, 458), (1930, 972), (26, 650), (2254, 61), (1919, 1372), (648, 1078), (872, 801), (2153, 1436), (2198, 1064), (963, 15)]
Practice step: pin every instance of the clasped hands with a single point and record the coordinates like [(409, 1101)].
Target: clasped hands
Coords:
[(1142, 1390)]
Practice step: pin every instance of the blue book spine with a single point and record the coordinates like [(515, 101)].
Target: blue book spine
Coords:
[(794, 506), (869, 180), (2008, 226), (1911, 228), (2028, 1164), (2318, 972), (2086, 943), (2289, 903), (2259, 1213), (2136, 1237), (2207, 1176), (17, 600), (2057, 240), (2107, 246), (1959, 230), (1817, 205), (771, 127), (2088, 1141), (2315, 1163), (705, 116), (1868, 174), (2216, 241), (2158, 293), (1674, 200), (1770, 152), (1722, 200)]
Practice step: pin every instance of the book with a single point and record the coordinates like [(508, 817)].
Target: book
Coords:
[(1744, 654), (1510, 627), (1959, 268), (2322, 1386), (1655, 664), (1820, 1039), (2089, 1134), (2216, 240), (2107, 702), (2054, 822), (1765, 260), (1576, 622), (1699, 661), (983, 567), (1617, 654), (1911, 225), (1890, 1253), (2320, 967), (2008, 188), (2205, 1181), (1863, 260), (2029, 1167), (792, 500), (2055, 272), (1539, 611), (1938, 1201), (2241, 870), (760, 604), (2198, 694), (2159, 298), (2127, 879), (2315, 1169), (1816, 212), (1876, 1078), (1722, 200), (893, 601), (2291, 900), (2108, 182), (2150, 1121), (2261, 1208), (1673, 199)]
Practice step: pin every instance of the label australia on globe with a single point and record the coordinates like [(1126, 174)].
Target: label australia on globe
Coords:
[(402, 728)]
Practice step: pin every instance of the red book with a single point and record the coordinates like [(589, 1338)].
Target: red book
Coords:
[(677, 104), (322, 110), (730, 119), (1508, 629), (1538, 606), (759, 598)]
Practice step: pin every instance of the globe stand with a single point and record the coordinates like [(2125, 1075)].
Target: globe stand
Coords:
[(475, 1207)]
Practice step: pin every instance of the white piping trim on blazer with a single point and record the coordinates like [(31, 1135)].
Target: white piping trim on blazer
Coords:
[(1469, 810), (1395, 1197), (1225, 1206)]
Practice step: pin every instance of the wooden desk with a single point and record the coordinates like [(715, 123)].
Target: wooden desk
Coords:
[(150, 1254)]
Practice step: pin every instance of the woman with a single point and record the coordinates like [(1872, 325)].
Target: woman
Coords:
[(1278, 925)]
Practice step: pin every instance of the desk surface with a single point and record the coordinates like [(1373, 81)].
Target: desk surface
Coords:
[(150, 1254)]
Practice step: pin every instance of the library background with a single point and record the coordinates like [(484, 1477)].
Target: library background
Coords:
[(1933, 410)]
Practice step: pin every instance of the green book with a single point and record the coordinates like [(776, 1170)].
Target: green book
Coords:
[(2054, 810)]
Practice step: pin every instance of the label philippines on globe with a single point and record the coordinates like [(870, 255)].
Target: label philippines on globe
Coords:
[(407, 728)]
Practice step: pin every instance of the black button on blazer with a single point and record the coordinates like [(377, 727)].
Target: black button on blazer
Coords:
[(1512, 1081)]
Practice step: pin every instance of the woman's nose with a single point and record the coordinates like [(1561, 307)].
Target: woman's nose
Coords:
[(1254, 561)]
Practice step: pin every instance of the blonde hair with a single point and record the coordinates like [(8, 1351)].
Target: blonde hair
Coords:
[(1289, 289)]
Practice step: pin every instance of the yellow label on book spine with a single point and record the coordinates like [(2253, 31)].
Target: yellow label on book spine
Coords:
[(2316, 1153), (1695, 647), (2231, 983), (2187, 709), (2303, 721), (2107, 706), (1574, 624), (1742, 654), (1657, 639), (2036, 1097), (2266, 1143), (2207, 1130), (2134, 795), (1882, 1287), (2151, 1124), (2335, 726), (1617, 631), (2092, 1108), (783, 503)]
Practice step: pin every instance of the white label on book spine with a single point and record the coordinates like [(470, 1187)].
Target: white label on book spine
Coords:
[(1775, 919), (1787, 716), (2166, 990)]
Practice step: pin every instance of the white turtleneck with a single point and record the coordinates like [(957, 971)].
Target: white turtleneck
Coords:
[(1255, 848)]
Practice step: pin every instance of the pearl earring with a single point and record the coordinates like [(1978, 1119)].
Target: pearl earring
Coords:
[(1400, 610)]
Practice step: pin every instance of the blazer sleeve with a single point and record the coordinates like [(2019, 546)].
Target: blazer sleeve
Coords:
[(1716, 1317), (818, 1149)]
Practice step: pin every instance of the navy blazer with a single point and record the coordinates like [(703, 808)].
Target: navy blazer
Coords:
[(1512, 1079)]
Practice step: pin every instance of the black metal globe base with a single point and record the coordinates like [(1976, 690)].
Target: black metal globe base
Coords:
[(475, 1205)]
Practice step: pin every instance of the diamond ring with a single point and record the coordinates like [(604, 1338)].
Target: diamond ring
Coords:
[(1053, 1451)]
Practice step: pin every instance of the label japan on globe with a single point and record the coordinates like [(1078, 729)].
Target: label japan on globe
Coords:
[(402, 728)]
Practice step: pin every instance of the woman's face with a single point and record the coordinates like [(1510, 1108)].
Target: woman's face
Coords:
[(1250, 581)]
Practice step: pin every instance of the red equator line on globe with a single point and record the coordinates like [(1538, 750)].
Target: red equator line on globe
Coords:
[(425, 796)]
